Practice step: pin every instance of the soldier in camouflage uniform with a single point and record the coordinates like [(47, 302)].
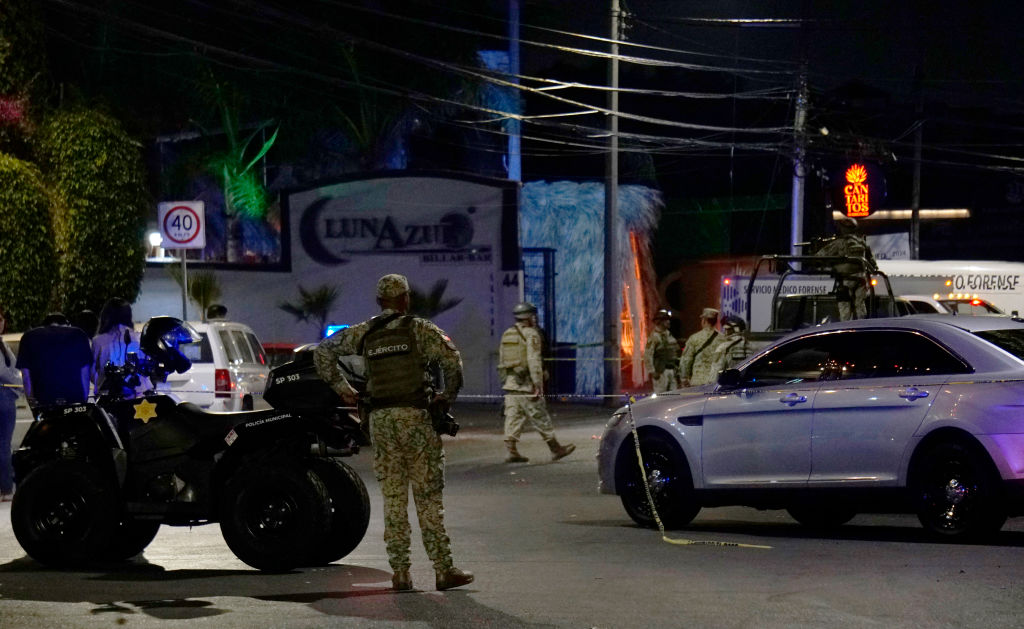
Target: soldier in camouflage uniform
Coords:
[(399, 349), (729, 348), (695, 363), (521, 371), (661, 354), (851, 276)]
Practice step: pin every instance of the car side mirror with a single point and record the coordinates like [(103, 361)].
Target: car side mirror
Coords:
[(729, 379)]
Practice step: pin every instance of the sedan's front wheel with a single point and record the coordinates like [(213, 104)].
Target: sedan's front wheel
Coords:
[(667, 477), (957, 492)]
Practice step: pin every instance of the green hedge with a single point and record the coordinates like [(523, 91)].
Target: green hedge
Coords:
[(27, 255), (96, 171)]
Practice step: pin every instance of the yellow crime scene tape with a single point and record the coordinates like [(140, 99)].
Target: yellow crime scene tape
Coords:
[(654, 510), (630, 400)]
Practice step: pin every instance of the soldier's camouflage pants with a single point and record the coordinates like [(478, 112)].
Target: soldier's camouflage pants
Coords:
[(523, 407), (667, 381), (407, 452)]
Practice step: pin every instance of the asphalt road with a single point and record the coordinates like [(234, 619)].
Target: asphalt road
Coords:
[(548, 551)]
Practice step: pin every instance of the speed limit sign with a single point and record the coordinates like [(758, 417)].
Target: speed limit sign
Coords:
[(182, 224)]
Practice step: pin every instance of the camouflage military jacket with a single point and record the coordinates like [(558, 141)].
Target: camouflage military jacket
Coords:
[(695, 363), (660, 342), (434, 345), (534, 363)]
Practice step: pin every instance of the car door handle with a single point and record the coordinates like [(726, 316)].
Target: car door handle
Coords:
[(912, 393), (793, 399)]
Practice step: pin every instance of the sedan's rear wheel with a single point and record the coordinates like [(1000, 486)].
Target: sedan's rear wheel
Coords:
[(957, 491), (669, 480)]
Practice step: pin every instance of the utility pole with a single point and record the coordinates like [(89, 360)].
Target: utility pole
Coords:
[(515, 168), (915, 199), (612, 285), (796, 228)]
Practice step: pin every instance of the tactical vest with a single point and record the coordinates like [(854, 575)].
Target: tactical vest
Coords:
[(512, 353), (395, 369), (666, 357)]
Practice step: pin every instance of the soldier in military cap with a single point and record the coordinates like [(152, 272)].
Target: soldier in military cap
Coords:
[(695, 363), (521, 371), (661, 354), (400, 350)]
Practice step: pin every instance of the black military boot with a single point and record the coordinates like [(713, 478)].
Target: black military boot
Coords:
[(559, 451), (513, 453), (401, 581), (452, 578)]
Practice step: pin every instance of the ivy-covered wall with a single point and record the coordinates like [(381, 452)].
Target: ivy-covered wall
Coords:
[(27, 254), (95, 171)]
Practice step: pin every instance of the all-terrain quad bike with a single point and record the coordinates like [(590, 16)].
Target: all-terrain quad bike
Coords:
[(96, 480)]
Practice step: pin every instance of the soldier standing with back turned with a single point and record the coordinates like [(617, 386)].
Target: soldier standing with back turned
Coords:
[(695, 363), (399, 350), (521, 369)]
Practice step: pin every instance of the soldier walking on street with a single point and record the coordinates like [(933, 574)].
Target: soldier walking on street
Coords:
[(695, 363), (661, 355), (521, 371), (400, 350)]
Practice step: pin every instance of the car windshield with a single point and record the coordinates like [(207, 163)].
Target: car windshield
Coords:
[(1010, 340)]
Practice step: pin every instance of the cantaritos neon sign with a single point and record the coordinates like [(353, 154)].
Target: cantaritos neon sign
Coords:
[(856, 191)]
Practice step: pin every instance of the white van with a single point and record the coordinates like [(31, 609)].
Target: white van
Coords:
[(998, 283), (229, 368)]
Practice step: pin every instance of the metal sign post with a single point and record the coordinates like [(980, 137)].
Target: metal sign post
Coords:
[(183, 226)]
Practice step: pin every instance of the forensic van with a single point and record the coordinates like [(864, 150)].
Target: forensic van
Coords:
[(995, 283)]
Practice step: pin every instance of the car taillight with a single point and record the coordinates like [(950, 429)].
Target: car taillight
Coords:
[(222, 383)]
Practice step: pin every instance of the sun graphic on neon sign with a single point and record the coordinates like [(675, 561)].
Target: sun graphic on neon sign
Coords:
[(856, 174), (856, 191)]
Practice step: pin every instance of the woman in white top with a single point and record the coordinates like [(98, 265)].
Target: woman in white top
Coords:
[(116, 338)]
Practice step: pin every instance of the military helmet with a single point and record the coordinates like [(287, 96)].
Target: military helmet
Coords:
[(846, 225), (524, 310), (734, 322), (663, 314)]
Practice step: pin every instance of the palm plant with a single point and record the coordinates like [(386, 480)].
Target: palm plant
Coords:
[(203, 287), (429, 305), (313, 305)]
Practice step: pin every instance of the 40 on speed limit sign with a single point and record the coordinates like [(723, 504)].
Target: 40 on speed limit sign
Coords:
[(182, 224)]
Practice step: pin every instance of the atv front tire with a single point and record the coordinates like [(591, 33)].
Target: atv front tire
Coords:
[(350, 510), (272, 515)]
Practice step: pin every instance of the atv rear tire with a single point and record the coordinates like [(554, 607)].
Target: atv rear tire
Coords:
[(131, 538), (273, 515), (65, 513), (350, 510)]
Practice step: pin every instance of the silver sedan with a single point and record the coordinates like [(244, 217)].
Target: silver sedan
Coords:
[(921, 414)]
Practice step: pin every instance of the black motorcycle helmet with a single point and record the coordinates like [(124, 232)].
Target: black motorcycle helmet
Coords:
[(161, 340)]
